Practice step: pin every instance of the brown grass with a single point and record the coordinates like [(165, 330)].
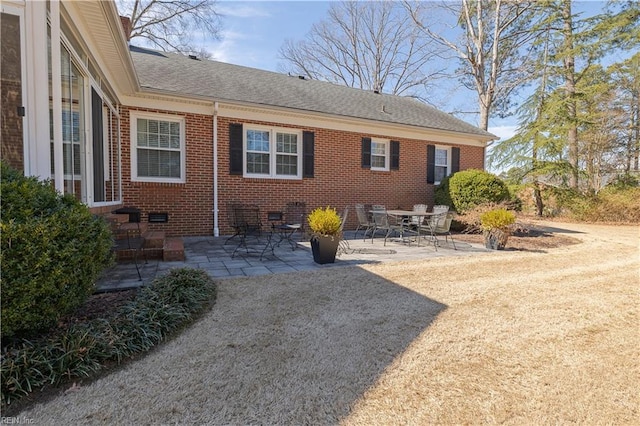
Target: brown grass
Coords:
[(509, 337)]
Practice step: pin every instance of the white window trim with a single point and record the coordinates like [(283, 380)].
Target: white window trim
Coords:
[(387, 155), (272, 152), (133, 117), (443, 148)]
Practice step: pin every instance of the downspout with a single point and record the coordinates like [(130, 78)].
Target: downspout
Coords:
[(216, 228)]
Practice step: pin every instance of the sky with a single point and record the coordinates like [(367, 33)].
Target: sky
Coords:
[(254, 31)]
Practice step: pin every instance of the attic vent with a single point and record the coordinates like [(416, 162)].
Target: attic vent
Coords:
[(376, 91), (301, 77), (194, 57)]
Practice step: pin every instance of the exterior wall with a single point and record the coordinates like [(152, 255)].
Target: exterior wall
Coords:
[(189, 204), (339, 179)]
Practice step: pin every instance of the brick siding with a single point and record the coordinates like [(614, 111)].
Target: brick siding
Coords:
[(339, 178)]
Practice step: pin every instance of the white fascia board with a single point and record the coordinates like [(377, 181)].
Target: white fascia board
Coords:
[(169, 103), (97, 26), (386, 130), (187, 104)]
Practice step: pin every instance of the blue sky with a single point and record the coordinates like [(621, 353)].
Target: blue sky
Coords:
[(254, 31)]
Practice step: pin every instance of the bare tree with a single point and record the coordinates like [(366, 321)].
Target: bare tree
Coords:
[(494, 48), (368, 45), (171, 25)]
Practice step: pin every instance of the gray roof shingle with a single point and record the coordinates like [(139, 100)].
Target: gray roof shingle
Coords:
[(180, 74)]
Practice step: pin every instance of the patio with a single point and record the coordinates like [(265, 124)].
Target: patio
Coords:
[(214, 256)]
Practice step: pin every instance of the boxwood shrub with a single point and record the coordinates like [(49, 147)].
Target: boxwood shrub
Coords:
[(470, 188), (52, 251)]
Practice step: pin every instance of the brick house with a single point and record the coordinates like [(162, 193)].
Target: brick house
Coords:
[(182, 138)]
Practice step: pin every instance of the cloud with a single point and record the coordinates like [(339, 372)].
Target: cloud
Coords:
[(240, 10), (503, 132)]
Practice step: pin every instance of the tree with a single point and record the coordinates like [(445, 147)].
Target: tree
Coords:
[(367, 45), (494, 49), (572, 126), (171, 25)]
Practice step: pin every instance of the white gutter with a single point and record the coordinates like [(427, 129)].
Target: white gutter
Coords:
[(216, 229)]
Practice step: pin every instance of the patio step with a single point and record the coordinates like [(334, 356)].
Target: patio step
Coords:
[(173, 249)]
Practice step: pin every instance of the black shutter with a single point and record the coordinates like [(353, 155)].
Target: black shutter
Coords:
[(431, 163), (455, 160), (308, 142), (235, 149), (366, 153), (395, 155)]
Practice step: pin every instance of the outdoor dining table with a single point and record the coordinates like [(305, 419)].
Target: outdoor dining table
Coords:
[(409, 213)]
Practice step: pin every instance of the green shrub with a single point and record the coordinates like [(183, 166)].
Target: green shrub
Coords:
[(470, 188), (442, 195), (167, 304), (52, 251)]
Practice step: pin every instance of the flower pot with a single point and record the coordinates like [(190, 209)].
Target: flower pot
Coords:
[(324, 248), (495, 239)]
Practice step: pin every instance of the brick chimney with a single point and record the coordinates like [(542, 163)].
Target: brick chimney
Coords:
[(126, 26)]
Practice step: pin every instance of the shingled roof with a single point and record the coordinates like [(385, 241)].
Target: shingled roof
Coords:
[(186, 76)]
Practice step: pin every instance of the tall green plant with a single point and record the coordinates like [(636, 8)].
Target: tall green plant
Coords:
[(52, 251)]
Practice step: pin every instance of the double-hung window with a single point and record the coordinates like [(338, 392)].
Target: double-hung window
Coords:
[(442, 162), (158, 142), (379, 154), (272, 152)]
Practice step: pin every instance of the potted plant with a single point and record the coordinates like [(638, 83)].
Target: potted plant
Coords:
[(496, 227), (325, 234)]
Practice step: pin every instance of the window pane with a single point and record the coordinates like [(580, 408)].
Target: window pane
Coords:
[(164, 141), (287, 142), (143, 125), (153, 163), (142, 139), (257, 163), (153, 126), (378, 161), (175, 129), (153, 140), (175, 142), (287, 165), (258, 140), (440, 173), (441, 157), (378, 148)]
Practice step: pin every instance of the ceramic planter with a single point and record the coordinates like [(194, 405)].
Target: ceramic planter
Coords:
[(496, 239)]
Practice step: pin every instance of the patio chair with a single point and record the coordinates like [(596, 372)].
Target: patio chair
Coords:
[(382, 222), (248, 222), (364, 220), (294, 217), (443, 227), (416, 221), (431, 224), (234, 223), (440, 208), (343, 246)]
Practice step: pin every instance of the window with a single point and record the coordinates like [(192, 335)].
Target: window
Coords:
[(273, 153), (379, 154), (159, 154), (442, 164)]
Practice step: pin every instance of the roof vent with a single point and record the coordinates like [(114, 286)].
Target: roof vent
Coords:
[(376, 91), (194, 57), (301, 77)]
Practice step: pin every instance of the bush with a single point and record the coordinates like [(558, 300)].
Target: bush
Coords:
[(52, 251), (497, 219), (470, 188), (441, 195), (324, 221), (169, 303)]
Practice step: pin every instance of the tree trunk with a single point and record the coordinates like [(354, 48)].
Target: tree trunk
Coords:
[(570, 88)]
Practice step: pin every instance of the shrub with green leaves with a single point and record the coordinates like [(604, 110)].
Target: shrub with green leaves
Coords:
[(52, 251), (167, 304), (470, 188), (442, 195)]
